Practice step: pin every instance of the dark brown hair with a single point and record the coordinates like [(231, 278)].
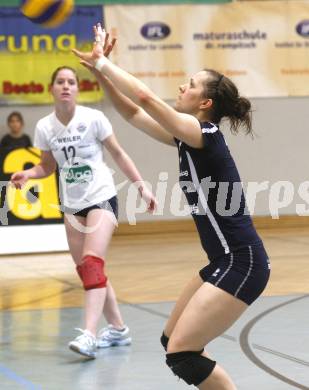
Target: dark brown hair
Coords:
[(17, 114), (227, 102), (56, 71)]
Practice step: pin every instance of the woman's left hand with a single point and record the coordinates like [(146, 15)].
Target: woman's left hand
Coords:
[(149, 198)]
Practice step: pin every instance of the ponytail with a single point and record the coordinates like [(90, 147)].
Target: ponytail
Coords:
[(241, 116), (227, 103)]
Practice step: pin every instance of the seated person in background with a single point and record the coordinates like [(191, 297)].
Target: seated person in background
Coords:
[(15, 138)]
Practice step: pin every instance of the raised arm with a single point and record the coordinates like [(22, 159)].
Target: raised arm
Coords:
[(182, 126), (130, 111), (134, 114)]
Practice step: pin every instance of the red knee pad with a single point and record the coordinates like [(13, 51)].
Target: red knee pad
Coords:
[(91, 272)]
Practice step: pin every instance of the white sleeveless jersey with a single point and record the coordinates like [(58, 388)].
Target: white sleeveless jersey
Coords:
[(84, 178)]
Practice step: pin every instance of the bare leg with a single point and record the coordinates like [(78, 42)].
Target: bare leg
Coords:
[(111, 309), (207, 315), (75, 237), (218, 380), (181, 303), (94, 302), (94, 243)]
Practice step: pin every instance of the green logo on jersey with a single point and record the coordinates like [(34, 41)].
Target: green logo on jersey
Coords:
[(78, 174)]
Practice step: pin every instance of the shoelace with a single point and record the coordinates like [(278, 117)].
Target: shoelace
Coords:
[(110, 333), (85, 337), (103, 332)]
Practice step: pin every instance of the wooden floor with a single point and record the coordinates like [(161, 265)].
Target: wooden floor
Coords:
[(144, 268)]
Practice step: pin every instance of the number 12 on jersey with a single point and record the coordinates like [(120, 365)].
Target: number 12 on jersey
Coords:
[(69, 152)]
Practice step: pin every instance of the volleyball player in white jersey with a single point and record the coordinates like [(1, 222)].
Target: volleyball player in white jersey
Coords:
[(72, 138), (238, 270)]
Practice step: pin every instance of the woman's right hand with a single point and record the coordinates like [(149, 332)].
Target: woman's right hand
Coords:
[(107, 45), (98, 48), (19, 179)]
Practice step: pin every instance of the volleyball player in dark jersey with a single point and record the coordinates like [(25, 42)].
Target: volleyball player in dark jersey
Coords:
[(238, 270)]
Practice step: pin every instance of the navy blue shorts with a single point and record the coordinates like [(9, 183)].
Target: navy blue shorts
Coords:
[(243, 273), (109, 204)]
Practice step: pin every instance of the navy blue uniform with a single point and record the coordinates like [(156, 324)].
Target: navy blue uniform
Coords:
[(211, 183)]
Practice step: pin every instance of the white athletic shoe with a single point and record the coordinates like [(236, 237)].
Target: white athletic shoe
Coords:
[(111, 337), (85, 344)]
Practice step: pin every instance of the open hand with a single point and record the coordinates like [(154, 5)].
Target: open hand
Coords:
[(101, 47), (108, 46), (103, 38), (19, 179), (149, 198)]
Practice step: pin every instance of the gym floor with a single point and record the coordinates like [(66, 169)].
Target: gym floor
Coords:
[(41, 300)]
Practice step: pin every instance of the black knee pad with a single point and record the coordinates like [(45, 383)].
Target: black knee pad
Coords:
[(192, 367), (164, 341)]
